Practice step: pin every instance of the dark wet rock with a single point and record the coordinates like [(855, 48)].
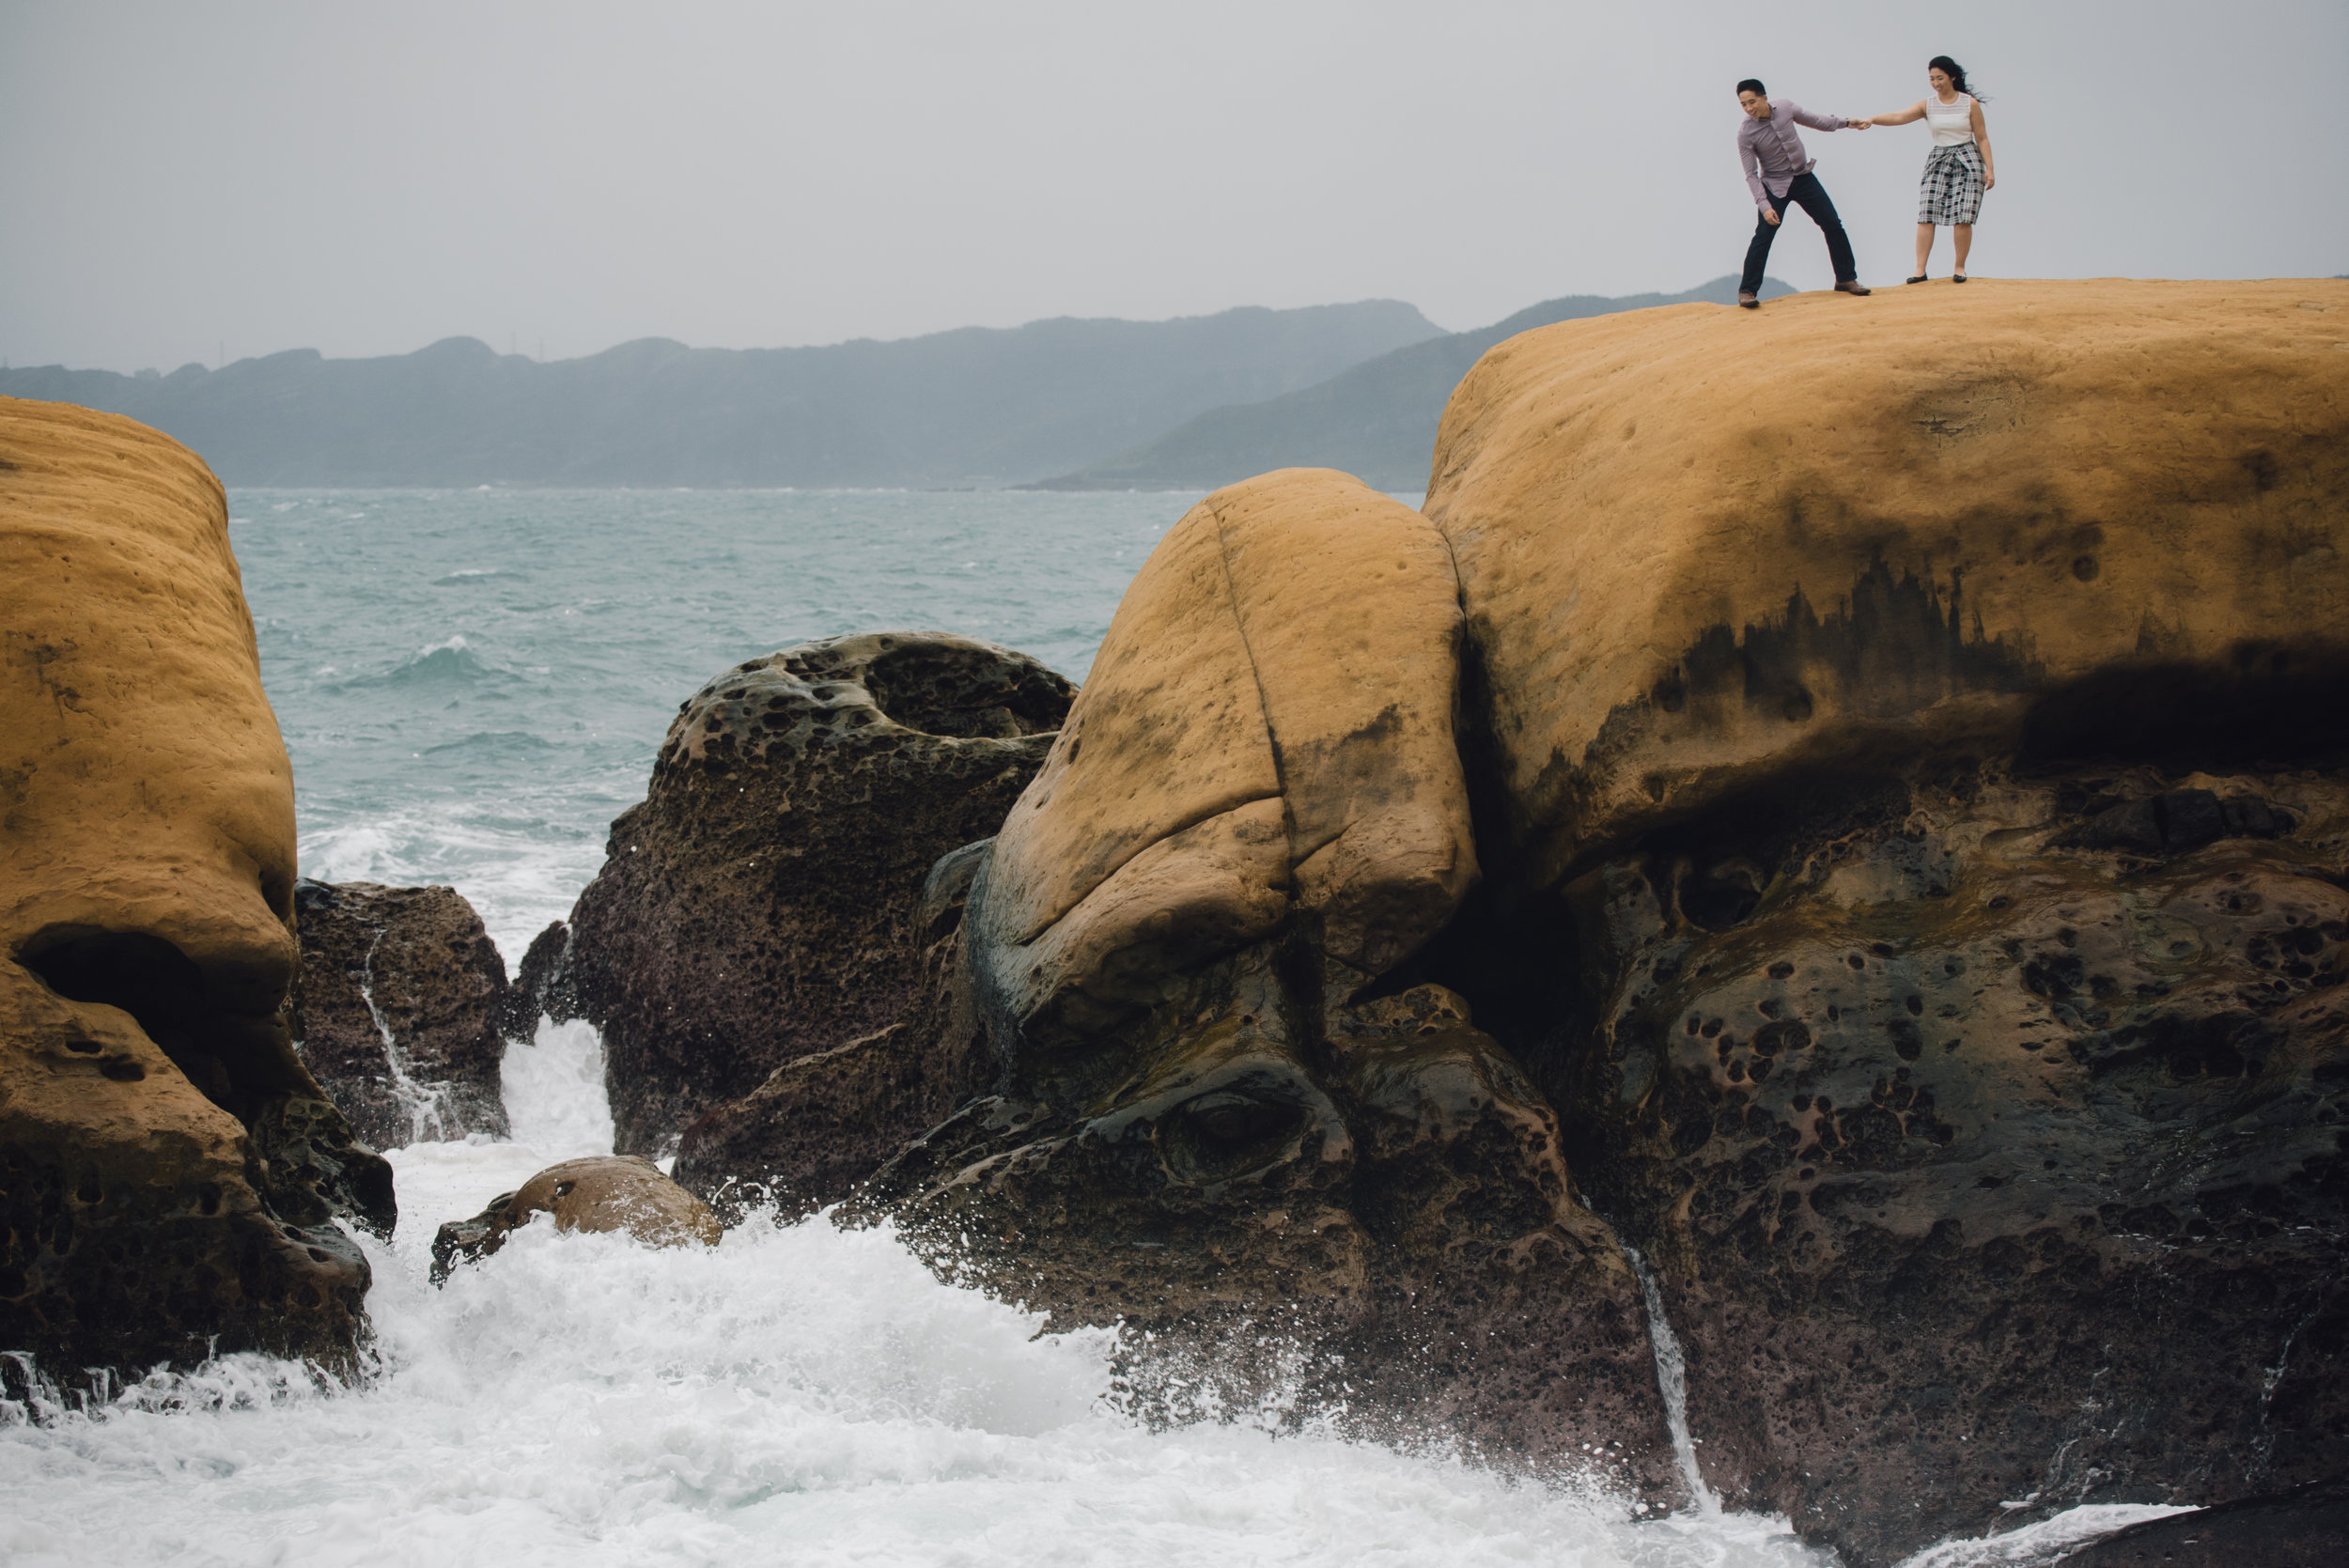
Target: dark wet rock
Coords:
[(542, 987), (1951, 1142), (2305, 1527), (2174, 821), (603, 1192), (761, 904), (822, 1124), (398, 1010), (1366, 1213)]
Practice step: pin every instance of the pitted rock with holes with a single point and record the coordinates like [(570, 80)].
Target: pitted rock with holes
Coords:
[(759, 905)]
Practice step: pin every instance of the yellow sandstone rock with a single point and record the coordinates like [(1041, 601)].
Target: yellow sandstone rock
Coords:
[(168, 1169), (1268, 722), (1694, 541)]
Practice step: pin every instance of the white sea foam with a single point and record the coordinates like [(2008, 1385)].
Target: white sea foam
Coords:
[(800, 1394)]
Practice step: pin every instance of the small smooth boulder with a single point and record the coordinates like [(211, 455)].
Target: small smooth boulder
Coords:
[(760, 906), (603, 1192), (398, 1010)]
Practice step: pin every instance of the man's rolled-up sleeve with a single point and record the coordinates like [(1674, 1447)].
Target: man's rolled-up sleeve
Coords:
[(1810, 122)]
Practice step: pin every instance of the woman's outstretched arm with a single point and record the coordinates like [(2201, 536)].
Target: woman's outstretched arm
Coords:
[(1902, 116), (1981, 140)]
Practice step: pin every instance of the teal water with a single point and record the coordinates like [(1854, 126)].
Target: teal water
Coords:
[(472, 683)]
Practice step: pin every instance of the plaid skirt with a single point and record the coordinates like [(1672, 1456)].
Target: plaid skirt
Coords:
[(1952, 191)]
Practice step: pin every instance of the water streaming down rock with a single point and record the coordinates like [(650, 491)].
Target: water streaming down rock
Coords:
[(400, 1009), (421, 1101), (1672, 1380)]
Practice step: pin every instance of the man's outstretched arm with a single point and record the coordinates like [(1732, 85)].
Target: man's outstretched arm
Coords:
[(1810, 122)]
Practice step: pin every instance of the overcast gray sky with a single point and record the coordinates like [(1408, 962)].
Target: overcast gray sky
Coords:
[(365, 178)]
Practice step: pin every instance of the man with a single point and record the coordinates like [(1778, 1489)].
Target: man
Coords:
[(1778, 171)]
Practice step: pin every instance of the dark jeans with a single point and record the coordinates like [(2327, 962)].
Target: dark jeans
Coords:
[(1808, 194)]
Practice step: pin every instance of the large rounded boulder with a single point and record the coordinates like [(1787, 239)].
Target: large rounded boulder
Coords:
[(1215, 1115), (761, 905), (170, 1173), (1914, 739), (1844, 804)]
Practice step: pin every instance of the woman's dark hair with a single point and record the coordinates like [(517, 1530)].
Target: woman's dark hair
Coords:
[(1754, 86), (1957, 75)]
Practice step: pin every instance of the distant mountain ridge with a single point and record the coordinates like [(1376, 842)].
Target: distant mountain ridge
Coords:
[(976, 406), (1376, 421)]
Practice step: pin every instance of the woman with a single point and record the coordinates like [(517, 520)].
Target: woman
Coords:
[(1958, 170)]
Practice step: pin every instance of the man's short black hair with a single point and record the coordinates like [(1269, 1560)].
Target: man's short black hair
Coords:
[(1750, 85)]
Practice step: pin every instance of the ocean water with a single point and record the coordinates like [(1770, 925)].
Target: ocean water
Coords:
[(471, 685)]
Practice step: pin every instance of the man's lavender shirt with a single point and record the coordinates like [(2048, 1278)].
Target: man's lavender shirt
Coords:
[(1772, 153)]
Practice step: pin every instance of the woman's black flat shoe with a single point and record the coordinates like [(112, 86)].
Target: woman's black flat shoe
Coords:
[(1958, 278), (1919, 278)]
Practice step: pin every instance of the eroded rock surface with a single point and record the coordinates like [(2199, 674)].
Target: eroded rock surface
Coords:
[(605, 1192), (823, 1122), (1921, 805), (1975, 1163), (398, 1009), (169, 1170), (761, 905), (1213, 1119), (1881, 841)]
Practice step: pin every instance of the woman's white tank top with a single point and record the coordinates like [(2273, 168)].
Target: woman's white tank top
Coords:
[(1952, 124)]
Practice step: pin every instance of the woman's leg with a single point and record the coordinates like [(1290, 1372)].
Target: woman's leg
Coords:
[(1924, 247), (1965, 236)]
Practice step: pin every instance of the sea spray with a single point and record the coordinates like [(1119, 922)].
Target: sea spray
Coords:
[(799, 1394)]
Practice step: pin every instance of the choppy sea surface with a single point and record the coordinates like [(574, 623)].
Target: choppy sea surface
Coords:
[(471, 685)]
